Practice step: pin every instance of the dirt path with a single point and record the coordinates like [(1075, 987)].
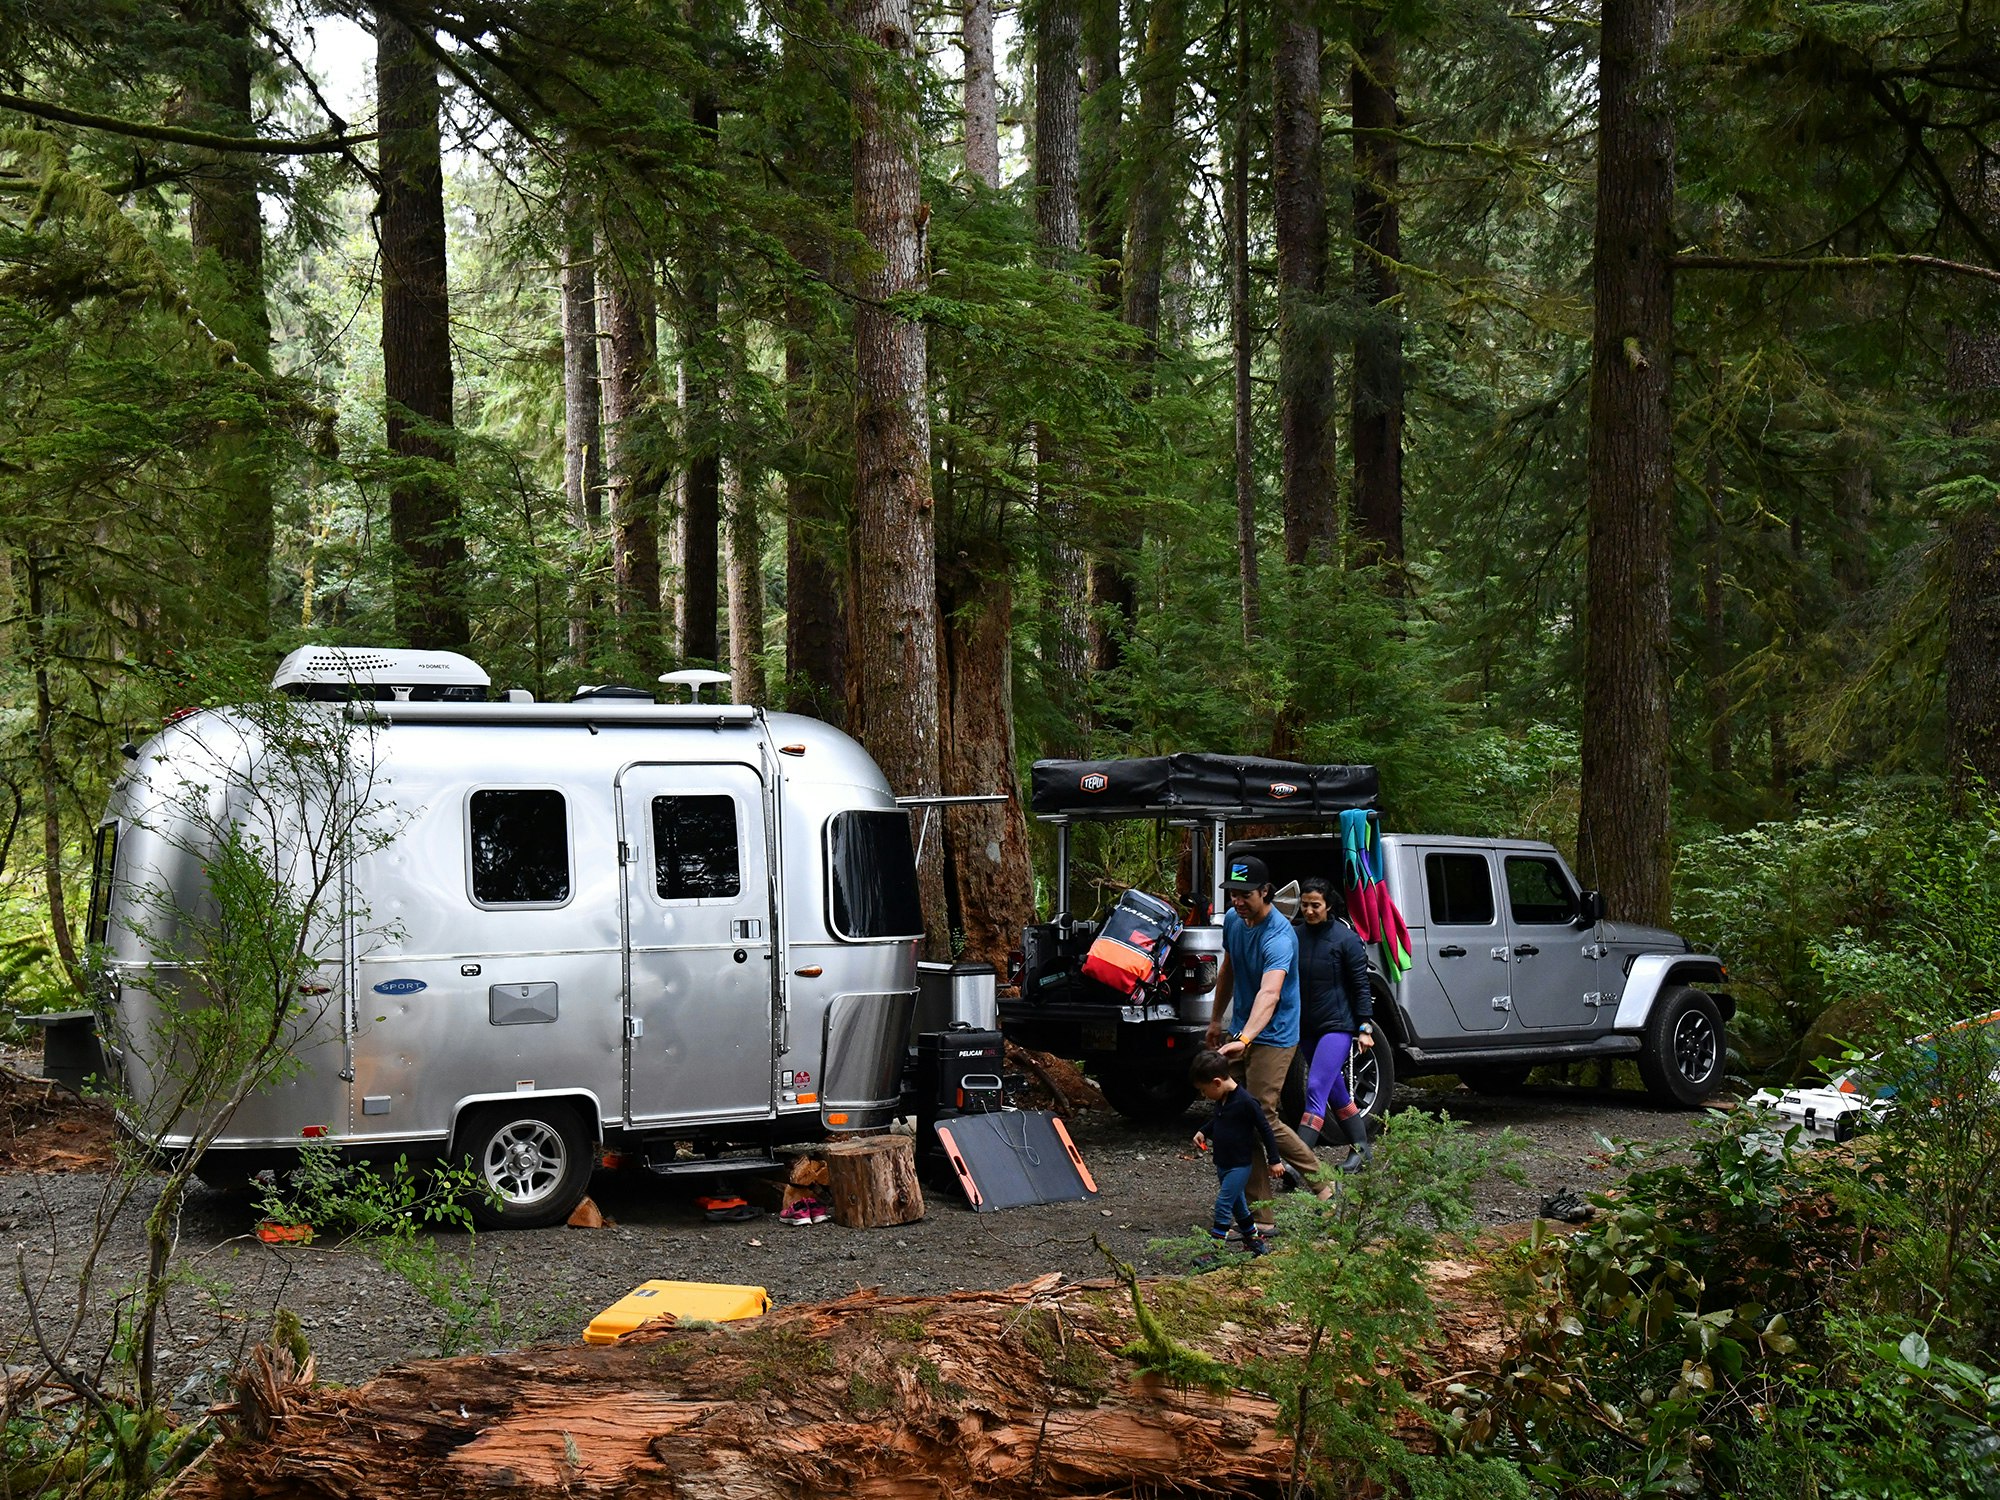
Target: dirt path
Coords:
[(545, 1284)]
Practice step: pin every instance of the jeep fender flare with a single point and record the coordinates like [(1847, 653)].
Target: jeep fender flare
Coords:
[(1652, 973)]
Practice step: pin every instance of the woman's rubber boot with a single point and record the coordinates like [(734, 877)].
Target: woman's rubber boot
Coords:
[(1356, 1128), (1308, 1134)]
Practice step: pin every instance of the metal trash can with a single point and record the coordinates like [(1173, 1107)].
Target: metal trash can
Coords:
[(955, 995)]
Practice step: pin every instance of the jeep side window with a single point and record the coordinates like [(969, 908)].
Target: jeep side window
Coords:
[(520, 847), (694, 848), (1537, 893), (1461, 889)]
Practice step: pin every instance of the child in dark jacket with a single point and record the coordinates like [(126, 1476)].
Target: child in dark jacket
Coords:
[(1232, 1133)]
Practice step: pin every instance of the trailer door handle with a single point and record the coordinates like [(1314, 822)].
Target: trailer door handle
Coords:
[(1454, 951)]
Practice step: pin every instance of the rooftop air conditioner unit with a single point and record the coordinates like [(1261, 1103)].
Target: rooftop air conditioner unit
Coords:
[(340, 674)]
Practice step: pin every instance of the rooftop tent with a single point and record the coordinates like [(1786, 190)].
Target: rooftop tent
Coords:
[(1189, 785)]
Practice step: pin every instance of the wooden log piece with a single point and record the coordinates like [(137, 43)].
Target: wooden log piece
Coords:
[(874, 1182)]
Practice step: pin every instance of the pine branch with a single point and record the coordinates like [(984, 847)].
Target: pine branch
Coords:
[(178, 135), (1881, 262)]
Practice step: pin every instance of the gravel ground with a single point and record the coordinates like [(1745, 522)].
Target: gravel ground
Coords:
[(540, 1284)]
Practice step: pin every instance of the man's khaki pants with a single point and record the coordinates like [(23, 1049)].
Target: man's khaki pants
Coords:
[(1262, 1070)]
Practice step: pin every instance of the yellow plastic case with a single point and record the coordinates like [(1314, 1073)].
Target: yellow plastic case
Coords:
[(709, 1301)]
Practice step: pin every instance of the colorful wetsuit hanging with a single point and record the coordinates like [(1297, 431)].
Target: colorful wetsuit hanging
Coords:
[(1371, 910)]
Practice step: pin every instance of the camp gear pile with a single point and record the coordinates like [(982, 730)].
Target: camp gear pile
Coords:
[(1133, 947)]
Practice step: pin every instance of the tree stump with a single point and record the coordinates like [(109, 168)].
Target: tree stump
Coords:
[(874, 1182)]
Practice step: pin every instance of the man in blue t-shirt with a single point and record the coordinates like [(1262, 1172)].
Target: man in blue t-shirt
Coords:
[(1259, 981)]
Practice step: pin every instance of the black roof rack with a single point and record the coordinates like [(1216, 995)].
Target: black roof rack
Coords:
[(1198, 785)]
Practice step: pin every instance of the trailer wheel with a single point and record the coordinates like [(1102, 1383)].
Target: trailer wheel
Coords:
[(535, 1160), (1682, 1055), (1156, 1096)]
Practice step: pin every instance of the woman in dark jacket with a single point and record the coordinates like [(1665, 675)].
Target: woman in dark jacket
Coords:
[(1336, 1006)]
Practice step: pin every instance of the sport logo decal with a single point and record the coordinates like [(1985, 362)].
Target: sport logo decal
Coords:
[(1095, 781), (1283, 789), (400, 986)]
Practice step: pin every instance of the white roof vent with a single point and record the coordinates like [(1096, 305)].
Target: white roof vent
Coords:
[(381, 674), (694, 679)]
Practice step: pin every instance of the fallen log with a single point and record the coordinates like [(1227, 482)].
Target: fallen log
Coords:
[(1018, 1393)]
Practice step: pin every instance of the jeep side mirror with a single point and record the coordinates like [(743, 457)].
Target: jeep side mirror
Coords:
[(1592, 912)]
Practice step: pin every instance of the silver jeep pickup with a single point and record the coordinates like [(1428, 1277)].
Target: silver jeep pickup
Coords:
[(1513, 963)]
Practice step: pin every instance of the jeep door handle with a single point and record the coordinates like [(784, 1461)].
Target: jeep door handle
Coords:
[(1525, 950), (1454, 951)]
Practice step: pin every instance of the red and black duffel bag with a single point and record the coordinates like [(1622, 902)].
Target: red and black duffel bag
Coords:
[(1134, 945)]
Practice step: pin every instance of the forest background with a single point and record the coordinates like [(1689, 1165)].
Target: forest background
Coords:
[(1586, 415)]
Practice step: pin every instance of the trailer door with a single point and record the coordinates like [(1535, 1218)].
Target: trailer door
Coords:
[(700, 987)]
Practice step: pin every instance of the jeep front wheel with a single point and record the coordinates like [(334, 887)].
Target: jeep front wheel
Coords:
[(1682, 1049)]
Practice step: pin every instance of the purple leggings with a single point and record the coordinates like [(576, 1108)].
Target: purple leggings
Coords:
[(1326, 1082)]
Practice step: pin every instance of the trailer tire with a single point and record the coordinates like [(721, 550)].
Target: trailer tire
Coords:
[(1147, 1096), (1684, 1047), (535, 1160)]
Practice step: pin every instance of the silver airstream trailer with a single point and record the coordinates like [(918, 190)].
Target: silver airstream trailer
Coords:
[(684, 932)]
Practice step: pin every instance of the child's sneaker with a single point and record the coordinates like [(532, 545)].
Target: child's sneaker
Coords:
[(818, 1211), (796, 1213), (1258, 1245)]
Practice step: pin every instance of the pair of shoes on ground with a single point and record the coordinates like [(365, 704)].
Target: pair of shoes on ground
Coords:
[(805, 1211), (723, 1209)]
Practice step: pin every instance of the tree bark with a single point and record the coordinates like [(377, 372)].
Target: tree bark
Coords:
[(991, 880), (982, 109), (1067, 627), (1027, 1392), (1305, 364), (1972, 608), (39, 650), (1100, 130), (815, 617), (1377, 421), (1151, 155), (873, 1182), (224, 219), (1240, 338), (1715, 642), (746, 583), (424, 521), (625, 283), (1623, 832), (583, 429), (701, 367), (896, 611)]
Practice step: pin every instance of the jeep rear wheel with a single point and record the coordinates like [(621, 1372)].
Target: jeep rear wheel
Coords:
[(1156, 1096), (1682, 1049)]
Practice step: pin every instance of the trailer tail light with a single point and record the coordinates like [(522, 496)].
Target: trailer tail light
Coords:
[(310, 988), (313, 1132), (837, 1119), (178, 714), (791, 749)]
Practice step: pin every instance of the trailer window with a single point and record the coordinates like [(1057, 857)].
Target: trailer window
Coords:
[(874, 876), (1461, 889), (694, 848), (103, 869), (520, 848), (1537, 893)]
